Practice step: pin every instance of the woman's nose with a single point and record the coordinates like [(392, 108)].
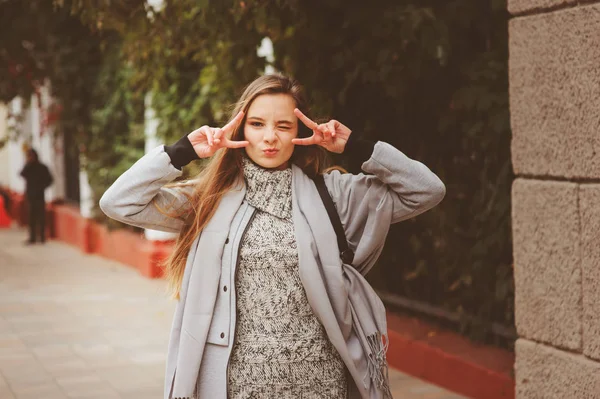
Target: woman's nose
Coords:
[(270, 135)]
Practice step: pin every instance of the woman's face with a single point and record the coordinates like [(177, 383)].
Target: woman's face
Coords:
[(270, 127)]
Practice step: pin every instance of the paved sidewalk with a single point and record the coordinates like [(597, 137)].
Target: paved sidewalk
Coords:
[(80, 326)]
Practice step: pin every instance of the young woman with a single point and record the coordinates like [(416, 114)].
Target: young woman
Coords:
[(266, 308)]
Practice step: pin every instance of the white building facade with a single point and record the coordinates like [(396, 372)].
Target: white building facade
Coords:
[(25, 124)]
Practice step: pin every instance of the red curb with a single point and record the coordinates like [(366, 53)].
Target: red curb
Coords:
[(70, 226), (124, 246), (155, 252), (99, 236), (449, 360), (18, 209), (5, 218)]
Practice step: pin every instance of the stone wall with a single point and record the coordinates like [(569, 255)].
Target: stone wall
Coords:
[(554, 71)]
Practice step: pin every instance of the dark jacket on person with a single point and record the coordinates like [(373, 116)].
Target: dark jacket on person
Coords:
[(37, 178)]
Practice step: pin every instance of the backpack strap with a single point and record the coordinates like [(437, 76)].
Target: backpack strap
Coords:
[(346, 254)]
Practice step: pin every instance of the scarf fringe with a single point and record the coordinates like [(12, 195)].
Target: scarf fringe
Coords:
[(378, 371)]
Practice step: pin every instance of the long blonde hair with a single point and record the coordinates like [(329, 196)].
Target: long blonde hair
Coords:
[(224, 169)]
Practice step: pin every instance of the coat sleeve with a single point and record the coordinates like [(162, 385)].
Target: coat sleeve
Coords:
[(394, 189), (139, 196), (25, 171)]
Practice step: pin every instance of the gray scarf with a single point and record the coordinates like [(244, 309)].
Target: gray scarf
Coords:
[(367, 312)]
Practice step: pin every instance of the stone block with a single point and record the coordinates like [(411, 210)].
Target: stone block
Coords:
[(589, 203), (521, 6), (555, 93), (544, 372), (547, 261)]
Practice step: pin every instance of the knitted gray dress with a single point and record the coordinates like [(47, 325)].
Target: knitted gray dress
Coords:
[(280, 350)]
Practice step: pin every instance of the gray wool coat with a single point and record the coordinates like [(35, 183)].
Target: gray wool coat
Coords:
[(394, 189)]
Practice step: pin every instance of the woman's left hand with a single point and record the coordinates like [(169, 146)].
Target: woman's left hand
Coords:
[(332, 135)]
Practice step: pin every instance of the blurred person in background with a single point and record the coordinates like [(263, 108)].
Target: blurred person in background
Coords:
[(267, 307), (37, 180)]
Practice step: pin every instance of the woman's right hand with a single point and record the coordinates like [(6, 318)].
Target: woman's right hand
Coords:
[(208, 140)]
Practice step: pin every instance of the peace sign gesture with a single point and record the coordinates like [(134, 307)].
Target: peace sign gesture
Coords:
[(208, 140), (332, 135)]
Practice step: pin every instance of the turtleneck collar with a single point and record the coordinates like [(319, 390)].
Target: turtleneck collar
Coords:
[(269, 190)]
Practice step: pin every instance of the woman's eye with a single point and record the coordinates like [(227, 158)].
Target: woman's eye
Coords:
[(255, 124), (284, 127)]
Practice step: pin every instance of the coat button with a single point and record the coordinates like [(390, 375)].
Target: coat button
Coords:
[(222, 335), (225, 288), (227, 240)]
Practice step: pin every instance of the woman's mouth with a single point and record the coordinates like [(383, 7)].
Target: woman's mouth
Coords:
[(270, 152)]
